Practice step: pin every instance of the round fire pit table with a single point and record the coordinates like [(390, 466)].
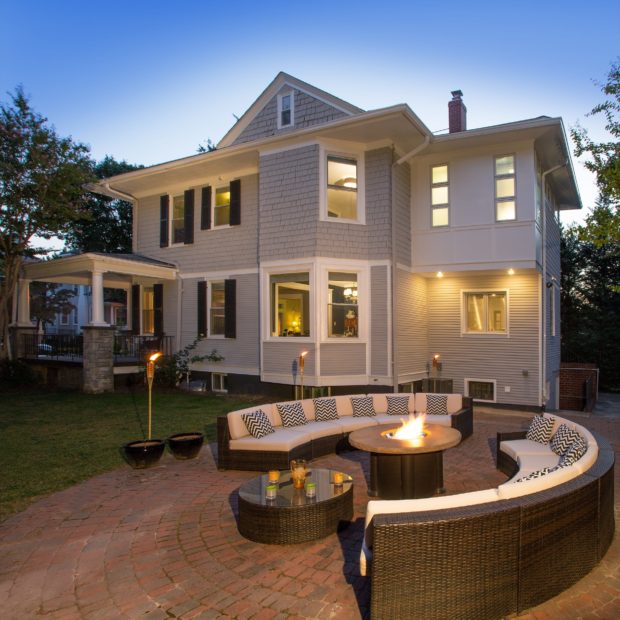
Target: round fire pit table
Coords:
[(404, 468), (291, 517)]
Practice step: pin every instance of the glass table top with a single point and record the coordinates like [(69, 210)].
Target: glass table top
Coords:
[(254, 490)]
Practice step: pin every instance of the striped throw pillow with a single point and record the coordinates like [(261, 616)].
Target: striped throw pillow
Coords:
[(292, 414), (540, 429), (398, 405), (563, 439), (325, 409), (362, 406), (257, 423), (437, 404)]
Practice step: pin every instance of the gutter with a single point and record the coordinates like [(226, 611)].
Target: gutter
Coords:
[(543, 354), (134, 212)]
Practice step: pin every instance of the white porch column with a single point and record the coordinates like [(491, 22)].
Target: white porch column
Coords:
[(23, 304), (97, 298)]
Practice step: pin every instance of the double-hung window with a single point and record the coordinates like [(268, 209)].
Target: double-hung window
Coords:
[(342, 200), (221, 206), (285, 110), (217, 309), (178, 219), (440, 196), (342, 306), (290, 304), (505, 188), (485, 312)]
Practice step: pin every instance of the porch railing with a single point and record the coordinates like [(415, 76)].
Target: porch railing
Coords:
[(53, 346), (129, 348)]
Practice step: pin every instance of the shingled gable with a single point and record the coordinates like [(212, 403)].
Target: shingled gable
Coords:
[(267, 98)]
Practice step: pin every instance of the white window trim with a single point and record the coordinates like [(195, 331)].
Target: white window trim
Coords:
[(213, 197), (466, 381), (440, 206), (552, 292), (491, 289), (266, 300), (279, 119), (210, 335), (504, 176), (218, 390), (324, 153), (363, 301)]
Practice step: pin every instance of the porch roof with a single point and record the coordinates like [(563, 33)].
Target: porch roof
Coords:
[(118, 270)]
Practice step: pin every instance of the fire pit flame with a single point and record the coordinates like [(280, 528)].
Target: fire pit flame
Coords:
[(411, 429)]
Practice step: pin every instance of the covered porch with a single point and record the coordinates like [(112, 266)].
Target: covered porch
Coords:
[(101, 349)]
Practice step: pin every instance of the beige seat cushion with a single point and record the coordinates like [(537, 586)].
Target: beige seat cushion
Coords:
[(512, 488), (348, 424), (522, 447), (343, 405), (316, 430), (529, 462), (283, 440), (440, 420)]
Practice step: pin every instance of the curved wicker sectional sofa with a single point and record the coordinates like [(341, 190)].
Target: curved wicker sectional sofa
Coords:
[(491, 553), (237, 449)]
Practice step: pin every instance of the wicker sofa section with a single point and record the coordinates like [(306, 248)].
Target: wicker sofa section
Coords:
[(492, 559), (237, 449)]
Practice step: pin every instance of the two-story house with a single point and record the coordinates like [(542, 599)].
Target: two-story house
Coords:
[(363, 239)]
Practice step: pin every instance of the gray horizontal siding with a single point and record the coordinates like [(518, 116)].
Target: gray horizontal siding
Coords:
[(379, 323), (343, 359), (412, 323), (488, 356), (223, 248), (278, 357)]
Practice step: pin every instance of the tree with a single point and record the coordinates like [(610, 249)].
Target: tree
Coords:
[(41, 191), (604, 160), (207, 147), (48, 300), (105, 224)]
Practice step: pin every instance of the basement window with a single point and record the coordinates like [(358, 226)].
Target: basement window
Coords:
[(481, 390)]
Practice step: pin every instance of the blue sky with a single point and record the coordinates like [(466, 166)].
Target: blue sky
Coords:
[(148, 81)]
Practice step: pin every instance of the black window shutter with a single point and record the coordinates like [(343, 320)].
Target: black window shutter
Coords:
[(202, 309), (135, 309), (205, 208), (230, 308), (164, 202), (158, 309), (235, 202), (188, 216)]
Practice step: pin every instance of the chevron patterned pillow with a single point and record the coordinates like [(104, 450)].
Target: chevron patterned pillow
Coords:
[(325, 409), (540, 429), (539, 473), (563, 439), (362, 406), (292, 414), (437, 404), (257, 423), (398, 405), (574, 453)]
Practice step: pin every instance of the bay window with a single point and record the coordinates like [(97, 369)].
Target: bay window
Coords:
[(342, 188), (342, 306), (290, 304)]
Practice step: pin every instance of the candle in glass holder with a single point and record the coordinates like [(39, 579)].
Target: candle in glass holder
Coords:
[(273, 476), (311, 489), (338, 477), (298, 473), (271, 491)]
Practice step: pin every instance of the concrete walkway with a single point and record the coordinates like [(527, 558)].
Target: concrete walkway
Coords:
[(163, 543)]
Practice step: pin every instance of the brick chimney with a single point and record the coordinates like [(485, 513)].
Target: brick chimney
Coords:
[(457, 112)]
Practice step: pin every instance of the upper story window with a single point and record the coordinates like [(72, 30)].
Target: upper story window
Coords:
[(285, 110), (440, 196), (342, 307), (177, 222), (217, 309), (485, 312), (290, 304), (342, 188), (505, 188), (221, 206)]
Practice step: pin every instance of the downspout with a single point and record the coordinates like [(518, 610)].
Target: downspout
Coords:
[(543, 354), (394, 308)]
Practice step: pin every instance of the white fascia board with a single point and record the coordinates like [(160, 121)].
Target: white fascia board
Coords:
[(533, 123)]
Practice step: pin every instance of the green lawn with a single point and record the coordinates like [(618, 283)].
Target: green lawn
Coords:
[(51, 441)]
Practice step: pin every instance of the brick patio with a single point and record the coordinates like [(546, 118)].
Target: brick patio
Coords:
[(163, 543)]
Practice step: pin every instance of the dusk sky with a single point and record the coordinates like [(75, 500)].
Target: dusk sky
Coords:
[(149, 81)]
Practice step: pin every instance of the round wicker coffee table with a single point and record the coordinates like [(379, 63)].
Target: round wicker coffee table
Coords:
[(292, 517)]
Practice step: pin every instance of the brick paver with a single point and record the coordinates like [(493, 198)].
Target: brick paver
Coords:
[(163, 543)]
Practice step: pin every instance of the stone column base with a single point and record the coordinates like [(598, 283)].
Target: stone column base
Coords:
[(98, 359)]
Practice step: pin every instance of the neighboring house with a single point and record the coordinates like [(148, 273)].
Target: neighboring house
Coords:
[(363, 239)]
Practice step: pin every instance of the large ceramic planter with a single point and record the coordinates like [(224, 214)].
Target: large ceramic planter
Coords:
[(185, 445), (144, 453)]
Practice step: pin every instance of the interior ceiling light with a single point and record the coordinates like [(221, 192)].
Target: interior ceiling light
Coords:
[(440, 274), (511, 272)]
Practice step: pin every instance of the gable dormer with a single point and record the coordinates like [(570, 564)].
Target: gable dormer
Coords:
[(285, 105)]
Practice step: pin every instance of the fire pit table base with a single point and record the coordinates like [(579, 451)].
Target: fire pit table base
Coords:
[(406, 476)]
